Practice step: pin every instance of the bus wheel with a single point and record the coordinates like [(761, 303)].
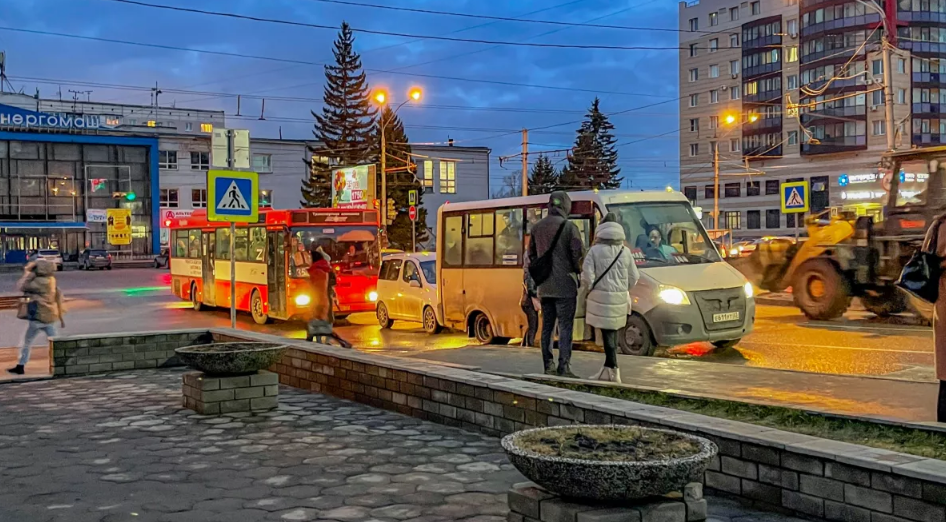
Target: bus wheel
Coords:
[(256, 308), (483, 330), (383, 318), (431, 325), (636, 338), (195, 299)]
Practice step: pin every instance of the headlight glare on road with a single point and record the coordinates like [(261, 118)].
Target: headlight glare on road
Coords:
[(673, 295), (303, 300), (373, 296), (749, 290)]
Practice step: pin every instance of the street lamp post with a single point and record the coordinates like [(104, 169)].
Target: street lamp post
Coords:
[(729, 119), (381, 97)]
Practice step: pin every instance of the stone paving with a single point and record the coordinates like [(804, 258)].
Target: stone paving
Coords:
[(121, 448)]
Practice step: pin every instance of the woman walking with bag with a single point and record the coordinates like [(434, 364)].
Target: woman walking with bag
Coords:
[(43, 309), (935, 243), (608, 274)]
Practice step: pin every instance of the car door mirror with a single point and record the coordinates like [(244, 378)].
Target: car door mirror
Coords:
[(414, 283)]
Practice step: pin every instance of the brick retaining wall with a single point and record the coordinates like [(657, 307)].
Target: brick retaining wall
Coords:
[(89, 354)]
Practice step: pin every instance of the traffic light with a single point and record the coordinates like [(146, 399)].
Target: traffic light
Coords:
[(129, 196), (392, 212)]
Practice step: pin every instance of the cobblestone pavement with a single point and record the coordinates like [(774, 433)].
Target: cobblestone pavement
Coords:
[(120, 448)]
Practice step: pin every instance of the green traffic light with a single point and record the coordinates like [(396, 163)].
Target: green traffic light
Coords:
[(131, 196)]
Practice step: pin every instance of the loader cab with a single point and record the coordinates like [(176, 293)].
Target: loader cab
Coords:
[(917, 191)]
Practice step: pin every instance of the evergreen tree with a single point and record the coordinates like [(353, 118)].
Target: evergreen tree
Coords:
[(593, 161), (401, 180), (345, 127), (543, 179)]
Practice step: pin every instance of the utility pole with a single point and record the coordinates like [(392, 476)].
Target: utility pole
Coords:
[(888, 89), (230, 162), (384, 177), (525, 162), (716, 185)]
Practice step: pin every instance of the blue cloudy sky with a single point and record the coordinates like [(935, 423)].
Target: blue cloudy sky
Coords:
[(475, 113)]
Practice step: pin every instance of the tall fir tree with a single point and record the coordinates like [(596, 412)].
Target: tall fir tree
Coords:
[(593, 161), (401, 180), (543, 179), (345, 128)]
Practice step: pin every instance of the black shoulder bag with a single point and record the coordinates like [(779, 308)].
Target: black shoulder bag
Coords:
[(541, 268), (920, 276)]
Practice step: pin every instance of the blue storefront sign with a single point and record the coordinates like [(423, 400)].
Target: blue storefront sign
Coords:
[(11, 116)]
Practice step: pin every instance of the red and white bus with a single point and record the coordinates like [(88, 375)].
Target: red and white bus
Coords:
[(272, 258)]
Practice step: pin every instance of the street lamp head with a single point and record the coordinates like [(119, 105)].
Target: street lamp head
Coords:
[(753, 117), (730, 119), (381, 97), (415, 93)]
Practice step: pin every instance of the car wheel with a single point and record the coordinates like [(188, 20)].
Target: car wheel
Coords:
[(431, 325), (195, 299), (256, 309), (483, 331), (156, 264), (59, 268), (109, 267), (383, 318), (726, 345), (636, 338)]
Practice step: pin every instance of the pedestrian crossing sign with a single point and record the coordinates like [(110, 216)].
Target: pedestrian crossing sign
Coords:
[(233, 196), (794, 197)]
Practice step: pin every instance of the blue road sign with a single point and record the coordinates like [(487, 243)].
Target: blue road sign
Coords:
[(794, 197), (233, 196)]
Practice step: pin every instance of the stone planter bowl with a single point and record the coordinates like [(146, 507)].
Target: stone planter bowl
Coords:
[(609, 480), (231, 358)]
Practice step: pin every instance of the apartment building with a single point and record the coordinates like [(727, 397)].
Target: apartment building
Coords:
[(792, 90)]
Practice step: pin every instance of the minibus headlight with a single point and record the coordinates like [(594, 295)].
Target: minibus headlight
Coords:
[(303, 300), (749, 290), (673, 295), (373, 296)]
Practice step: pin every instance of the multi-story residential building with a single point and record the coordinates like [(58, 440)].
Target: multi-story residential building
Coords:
[(450, 173), (792, 90)]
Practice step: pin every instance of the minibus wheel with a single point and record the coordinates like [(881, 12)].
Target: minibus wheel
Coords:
[(483, 331), (195, 300), (636, 338)]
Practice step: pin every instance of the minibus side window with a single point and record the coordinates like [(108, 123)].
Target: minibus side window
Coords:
[(453, 241)]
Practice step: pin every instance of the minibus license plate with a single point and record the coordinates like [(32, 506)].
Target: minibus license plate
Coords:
[(721, 318)]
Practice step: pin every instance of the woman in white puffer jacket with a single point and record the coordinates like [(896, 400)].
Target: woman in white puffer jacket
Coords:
[(607, 276)]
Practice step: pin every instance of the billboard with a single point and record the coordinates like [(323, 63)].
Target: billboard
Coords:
[(353, 187), (118, 227)]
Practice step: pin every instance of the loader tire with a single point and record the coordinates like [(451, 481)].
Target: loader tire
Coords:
[(820, 291)]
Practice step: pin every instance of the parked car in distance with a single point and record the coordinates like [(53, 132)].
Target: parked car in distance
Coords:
[(162, 260), (407, 291), (53, 256), (95, 258)]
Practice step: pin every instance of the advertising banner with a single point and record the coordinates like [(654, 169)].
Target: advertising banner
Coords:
[(119, 226), (352, 187)]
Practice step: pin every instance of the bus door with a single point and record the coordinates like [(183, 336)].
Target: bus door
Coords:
[(209, 252), (276, 272)]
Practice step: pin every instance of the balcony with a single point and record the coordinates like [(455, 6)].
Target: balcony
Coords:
[(762, 152), (927, 139), (762, 125), (840, 23), (834, 145), (929, 77), (833, 113)]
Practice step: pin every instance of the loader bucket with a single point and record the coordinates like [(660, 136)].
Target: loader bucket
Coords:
[(767, 265)]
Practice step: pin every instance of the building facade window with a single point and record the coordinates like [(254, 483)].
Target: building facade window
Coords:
[(732, 219), (732, 190), (771, 187), (713, 19), (266, 198), (714, 71), (188, 126), (263, 162), (694, 149), (734, 40), (877, 67), (734, 67), (756, 7), (200, 161), (428, 180), (167, 159), (793, 137), (448, 177), (693, 50), (206, 127), (791, 219), (753, 188), (714, 122), (753, 219), (694, 100), (694, 124), (734, 145), (694, 24), (690, 193), (714, 96), (878, 127), (791, 54), (694, 75), (877, 97), (713, 45), (773, 218), (169, 198), (199, 198), (791, 81), (708, 192), (901, 66), (734, 92), (902, 96), (733, 14)]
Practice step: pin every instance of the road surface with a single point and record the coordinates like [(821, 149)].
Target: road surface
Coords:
[(140, 300)]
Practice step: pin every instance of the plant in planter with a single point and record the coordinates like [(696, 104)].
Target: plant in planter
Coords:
[(609, 462)]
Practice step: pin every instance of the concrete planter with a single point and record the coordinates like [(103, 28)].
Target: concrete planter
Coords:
[(609, 480), (231, 358)]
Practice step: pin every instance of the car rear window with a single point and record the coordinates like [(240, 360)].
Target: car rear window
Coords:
[(98, 253), (49, 252)]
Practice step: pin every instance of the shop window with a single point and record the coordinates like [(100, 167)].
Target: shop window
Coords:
[(508, 237), (478, 248), (453, 241)]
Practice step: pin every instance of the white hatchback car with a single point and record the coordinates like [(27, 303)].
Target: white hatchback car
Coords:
[(407, 290)]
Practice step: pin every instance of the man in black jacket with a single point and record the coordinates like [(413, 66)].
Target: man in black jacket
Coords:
[(559, 293)]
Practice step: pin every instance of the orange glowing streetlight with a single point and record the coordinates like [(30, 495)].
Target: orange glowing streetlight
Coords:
[(730, 119), (753, 117), (415, 93), (381, 97)]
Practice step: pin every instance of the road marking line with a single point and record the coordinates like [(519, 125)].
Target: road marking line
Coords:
[(851, 348)]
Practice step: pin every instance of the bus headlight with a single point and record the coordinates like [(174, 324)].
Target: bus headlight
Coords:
[(373, 296), (673, 295), (749, 290), (303, 300)]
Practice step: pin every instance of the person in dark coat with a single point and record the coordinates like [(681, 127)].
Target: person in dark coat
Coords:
[(558, 294), (939, 315), (529, 302), (39, 285)]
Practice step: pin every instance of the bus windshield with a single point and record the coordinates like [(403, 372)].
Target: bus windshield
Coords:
[(664, 233), (352, 250)]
